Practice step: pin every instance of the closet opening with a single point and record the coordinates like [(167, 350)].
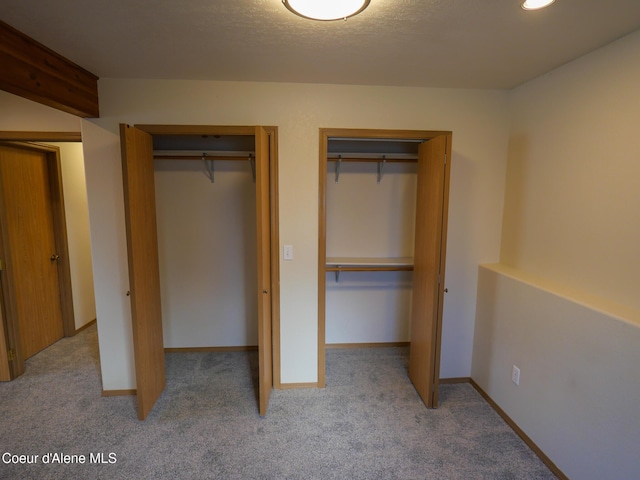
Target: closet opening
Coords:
[(382, 239), (210, 284), (205, 206)]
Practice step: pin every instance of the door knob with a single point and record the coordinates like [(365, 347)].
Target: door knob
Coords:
[(55, 257), (265, 291)]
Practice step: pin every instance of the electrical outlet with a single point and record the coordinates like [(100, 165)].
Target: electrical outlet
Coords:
[(515, 375), (288, 252)]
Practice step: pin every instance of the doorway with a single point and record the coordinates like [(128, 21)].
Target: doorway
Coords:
[(138, 150), (376, 239), (37, 302)]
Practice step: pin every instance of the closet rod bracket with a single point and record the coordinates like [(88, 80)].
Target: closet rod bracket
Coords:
[(381, 168), (252, 162), (208, 165)]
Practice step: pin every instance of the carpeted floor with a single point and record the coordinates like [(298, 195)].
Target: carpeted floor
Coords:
[(368, 423)]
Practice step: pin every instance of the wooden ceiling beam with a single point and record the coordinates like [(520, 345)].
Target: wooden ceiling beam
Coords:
[(33, 71)]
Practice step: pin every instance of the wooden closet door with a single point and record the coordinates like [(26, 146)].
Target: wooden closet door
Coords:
[(144, 271), (263, 220), (428, 273)]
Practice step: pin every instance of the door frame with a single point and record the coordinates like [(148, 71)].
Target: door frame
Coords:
[(10, 325), (272, 132), (325, 135)]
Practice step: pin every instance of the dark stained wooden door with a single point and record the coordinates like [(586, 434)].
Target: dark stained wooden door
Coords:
[(428, 274), (29, 231), (144, 271)]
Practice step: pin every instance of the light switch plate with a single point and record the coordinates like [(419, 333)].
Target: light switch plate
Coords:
[(515, 375)]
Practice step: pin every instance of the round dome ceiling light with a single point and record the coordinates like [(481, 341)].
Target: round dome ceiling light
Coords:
[(326, 10), (536, 4)]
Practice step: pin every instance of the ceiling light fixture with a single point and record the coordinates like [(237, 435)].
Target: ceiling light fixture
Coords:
[(326, 9), (536, 4)]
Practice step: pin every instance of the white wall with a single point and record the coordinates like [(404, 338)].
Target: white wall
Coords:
[(571, 220), (478, 120), (207, 253), (79, 241), (579, 377)]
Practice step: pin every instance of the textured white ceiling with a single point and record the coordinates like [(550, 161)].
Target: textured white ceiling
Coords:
[(436, 43)]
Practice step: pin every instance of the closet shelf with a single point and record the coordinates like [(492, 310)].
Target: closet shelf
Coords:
[(361, 264), (368, 264)]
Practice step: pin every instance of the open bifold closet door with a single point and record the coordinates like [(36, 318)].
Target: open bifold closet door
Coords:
[(145, 257), (428, 269), (263, 232), (144, 273)]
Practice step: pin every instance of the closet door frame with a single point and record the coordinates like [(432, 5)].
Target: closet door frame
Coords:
[(335, 133), (272, 132)]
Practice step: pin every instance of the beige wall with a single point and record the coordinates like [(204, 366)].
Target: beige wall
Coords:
[(571, 206), (17, 113), (77, 216), (579, 381), (207, 253), (564, 305), (478, 120), (109, 253)]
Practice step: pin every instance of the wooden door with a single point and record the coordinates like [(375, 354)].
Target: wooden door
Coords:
[(263, 224), (428, 273), (28, 221), (144, 272)]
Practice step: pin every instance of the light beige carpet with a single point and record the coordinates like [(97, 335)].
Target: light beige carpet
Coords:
[(368, 423)]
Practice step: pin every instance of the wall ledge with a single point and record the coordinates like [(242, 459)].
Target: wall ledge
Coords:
[(617, 311)]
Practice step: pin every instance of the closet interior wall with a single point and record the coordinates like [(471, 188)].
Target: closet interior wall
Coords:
[(370, 212), (207, 240)]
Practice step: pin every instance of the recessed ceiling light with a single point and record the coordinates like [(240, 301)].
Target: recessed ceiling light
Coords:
[(536, 4), (326, 9)]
